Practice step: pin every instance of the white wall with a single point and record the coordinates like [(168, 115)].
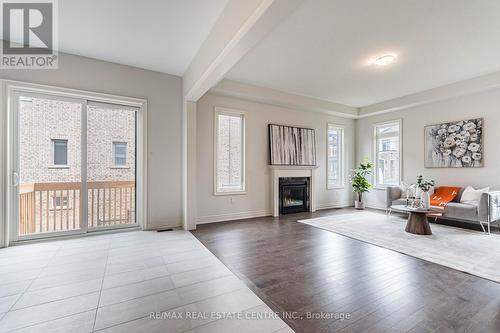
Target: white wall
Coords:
[(485, 105), (257, 201), (164, 95)]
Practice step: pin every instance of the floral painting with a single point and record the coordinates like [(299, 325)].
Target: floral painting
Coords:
[(456, 144)]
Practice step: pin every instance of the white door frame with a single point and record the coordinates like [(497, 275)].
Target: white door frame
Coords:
[(8, 220)]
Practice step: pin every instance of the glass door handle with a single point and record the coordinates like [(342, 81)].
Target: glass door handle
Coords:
[(15, 179)]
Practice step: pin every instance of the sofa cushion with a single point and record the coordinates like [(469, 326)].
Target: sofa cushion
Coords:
[(461, 211), (472, 196), (459, 195), (399, 202), (444, 195)]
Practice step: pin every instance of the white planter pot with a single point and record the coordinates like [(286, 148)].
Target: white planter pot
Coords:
[(359, 204), (425, 199)]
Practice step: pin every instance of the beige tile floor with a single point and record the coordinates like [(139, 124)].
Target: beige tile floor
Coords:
[(113, 282)]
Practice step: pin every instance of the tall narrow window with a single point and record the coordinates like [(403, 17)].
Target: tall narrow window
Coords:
[(229, 151), (60, 152), (120, 153), (335, 156), (387, 154)]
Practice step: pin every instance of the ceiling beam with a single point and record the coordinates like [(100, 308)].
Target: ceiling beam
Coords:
[(241, 25)]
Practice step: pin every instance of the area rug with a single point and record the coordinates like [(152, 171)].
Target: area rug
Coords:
[(469, 251)]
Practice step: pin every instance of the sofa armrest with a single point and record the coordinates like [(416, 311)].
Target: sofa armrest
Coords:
[(392, 193), (489, 207)]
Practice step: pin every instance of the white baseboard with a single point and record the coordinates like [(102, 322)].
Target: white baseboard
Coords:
[(262, 213), (232, 216), (161, 227), (331, 205)]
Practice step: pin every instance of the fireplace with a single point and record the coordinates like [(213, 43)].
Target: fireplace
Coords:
[(294, 195), (281, 175)]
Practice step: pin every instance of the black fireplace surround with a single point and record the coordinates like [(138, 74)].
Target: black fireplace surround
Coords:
[(294, 194)]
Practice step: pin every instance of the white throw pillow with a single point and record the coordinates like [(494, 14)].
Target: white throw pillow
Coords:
[(407, 189), (472, 196)]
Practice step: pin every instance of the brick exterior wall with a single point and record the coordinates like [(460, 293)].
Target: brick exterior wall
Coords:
[(43, 120)]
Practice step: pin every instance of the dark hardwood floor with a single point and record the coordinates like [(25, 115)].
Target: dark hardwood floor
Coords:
[(299, 269)]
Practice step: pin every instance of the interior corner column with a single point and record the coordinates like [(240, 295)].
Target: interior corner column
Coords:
[(189, 181)]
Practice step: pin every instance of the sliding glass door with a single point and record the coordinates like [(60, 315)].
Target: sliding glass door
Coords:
[(49, 164), (111, 165), (74, 165)]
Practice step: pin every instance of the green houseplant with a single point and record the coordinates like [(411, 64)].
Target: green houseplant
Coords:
[(360, 183), (425, 186)]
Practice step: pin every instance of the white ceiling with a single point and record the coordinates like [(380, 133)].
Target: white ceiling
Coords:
[(322, 49), (160, 35)]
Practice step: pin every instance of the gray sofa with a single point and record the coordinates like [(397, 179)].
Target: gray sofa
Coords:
[(485, 214)]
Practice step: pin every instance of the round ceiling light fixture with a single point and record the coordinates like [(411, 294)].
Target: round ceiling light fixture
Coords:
[(385, 60)]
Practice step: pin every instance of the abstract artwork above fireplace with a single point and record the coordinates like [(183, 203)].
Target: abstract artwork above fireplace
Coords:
[(291, 146)]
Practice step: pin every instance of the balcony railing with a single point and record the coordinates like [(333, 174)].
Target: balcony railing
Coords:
[(51, 207)]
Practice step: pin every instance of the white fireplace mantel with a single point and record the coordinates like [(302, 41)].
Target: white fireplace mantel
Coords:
[(280, 171)]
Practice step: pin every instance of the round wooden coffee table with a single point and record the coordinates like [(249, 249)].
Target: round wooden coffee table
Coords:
[(417, 221)]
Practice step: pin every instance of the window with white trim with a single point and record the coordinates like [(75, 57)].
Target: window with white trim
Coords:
[(229, 151), (387, 153), (59, 202), (335, 156), (59, 152), (119, 153)]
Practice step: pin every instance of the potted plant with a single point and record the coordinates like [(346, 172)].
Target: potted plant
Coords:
[(425, 186), (360, 183)]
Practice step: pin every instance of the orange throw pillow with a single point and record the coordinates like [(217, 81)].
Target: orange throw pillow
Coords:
[(443, 195)]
